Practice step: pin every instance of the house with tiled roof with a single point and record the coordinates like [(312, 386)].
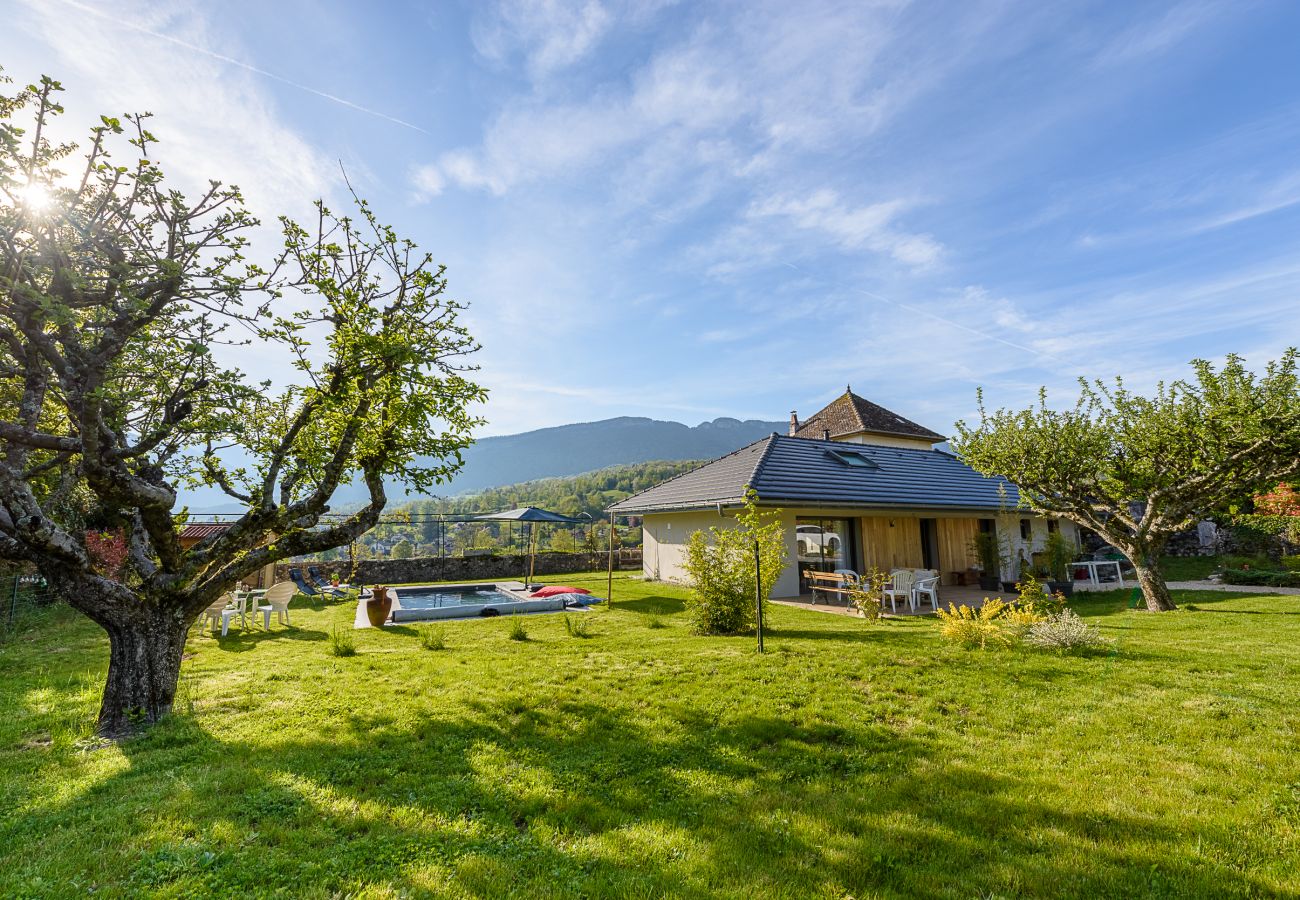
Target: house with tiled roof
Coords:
[(858, 486)]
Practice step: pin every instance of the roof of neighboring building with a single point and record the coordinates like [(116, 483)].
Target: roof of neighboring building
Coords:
[(804, 472), (199, 530), (850, 414)]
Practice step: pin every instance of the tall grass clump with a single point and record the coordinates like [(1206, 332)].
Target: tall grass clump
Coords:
[(341, 642), (517, 630), (579, 628), (433, 637)]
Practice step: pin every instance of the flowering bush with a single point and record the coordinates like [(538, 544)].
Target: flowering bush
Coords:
[(1066, 632), (108, 550), (978, 628)]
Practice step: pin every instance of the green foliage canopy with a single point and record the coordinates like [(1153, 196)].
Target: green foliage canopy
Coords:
[(721, 570), (1137, 469)]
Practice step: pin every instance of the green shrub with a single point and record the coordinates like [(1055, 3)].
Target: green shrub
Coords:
[(1291, 563), (517, 630), (433, 637), (1066, 632), (579, 628), (1036, 601), (1264, 577), (1060, 552), (868, 597), (341, 642), (655, 622), (720, 564)]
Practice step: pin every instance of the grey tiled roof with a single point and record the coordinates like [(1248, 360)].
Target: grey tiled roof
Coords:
[(799, 471), (851, 414)]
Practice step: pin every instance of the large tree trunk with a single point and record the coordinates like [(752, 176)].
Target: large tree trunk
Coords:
[(1154, 589), (144, 666)]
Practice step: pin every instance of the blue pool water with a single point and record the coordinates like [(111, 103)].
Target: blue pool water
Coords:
[(439, 597)]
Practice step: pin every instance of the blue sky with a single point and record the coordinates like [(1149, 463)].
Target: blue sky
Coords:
[(736, 209)]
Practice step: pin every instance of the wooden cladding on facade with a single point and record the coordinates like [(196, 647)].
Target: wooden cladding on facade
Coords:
[(955, 555), (898, 546)]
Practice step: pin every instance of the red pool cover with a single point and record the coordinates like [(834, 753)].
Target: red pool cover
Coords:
[(554, 589)]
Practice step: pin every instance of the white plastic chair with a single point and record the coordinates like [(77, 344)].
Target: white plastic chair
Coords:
[(927, 585), (224, 609), (277, 601), (851, 578), (901, 581)]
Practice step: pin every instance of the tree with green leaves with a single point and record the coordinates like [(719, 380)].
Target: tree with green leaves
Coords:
[(721, 571), (114, 290), (1137, 469)]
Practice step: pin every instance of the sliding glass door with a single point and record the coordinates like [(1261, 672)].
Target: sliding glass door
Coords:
[(824, 545)]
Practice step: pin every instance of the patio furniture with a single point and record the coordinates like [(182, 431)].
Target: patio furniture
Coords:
[(305, 587), (225, 609), (901, 583), (927, 586), (277, 601), (830, 584), (1091, 566), (322, 584)]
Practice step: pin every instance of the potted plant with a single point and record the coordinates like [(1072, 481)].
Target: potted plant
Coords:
[(1060, 553), (985, 548), (1012, 585), (378, 606)]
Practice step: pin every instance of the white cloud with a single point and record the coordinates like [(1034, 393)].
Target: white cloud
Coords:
[(868, 227), (549, 34), (428, 181), (1158, 35), (214, 121)]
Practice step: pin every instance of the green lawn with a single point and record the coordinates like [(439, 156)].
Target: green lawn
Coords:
[(849, 761)]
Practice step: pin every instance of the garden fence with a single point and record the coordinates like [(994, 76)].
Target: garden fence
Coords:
[(22, 595)]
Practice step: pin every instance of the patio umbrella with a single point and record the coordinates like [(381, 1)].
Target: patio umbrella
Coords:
[(532, 516)]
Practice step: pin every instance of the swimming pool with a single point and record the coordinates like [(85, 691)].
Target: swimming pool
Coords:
[(456, 601), (443, 596)]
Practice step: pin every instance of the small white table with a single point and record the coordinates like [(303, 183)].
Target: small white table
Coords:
[(1092, 564)]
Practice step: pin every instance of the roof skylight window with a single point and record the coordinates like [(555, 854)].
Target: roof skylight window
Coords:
[(853, 458)]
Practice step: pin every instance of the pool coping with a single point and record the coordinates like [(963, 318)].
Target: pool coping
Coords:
[(521, 605)]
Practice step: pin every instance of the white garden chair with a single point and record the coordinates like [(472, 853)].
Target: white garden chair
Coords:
[(926, 585), (277, 601), (900, 586), (223, 610)]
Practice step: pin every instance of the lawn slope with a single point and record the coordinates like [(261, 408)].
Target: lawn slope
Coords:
[(642, 761)]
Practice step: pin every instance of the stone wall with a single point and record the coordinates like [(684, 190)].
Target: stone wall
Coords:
[(463, 568)]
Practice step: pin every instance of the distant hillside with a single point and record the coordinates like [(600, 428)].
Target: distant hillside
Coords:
[(556, 452), (590, 492), (587, 446)]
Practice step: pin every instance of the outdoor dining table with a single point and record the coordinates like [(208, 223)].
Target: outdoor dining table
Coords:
[(1092, 564)]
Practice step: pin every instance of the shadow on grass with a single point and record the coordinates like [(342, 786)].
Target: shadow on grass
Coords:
[(654, 606), (519, 798), (242, 640)]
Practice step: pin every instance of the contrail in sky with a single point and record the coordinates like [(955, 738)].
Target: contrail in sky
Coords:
[(243, 65)]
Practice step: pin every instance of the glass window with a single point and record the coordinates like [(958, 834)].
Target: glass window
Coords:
[(824, 545)]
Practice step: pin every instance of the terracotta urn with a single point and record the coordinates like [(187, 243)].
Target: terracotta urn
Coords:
[(378, 606)]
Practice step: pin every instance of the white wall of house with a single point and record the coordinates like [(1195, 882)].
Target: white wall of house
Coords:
[(666, 535), (1016, 545), (664, 538), (886, 440)]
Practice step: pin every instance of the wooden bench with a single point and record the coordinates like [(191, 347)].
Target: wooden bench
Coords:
[(828, 584)]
